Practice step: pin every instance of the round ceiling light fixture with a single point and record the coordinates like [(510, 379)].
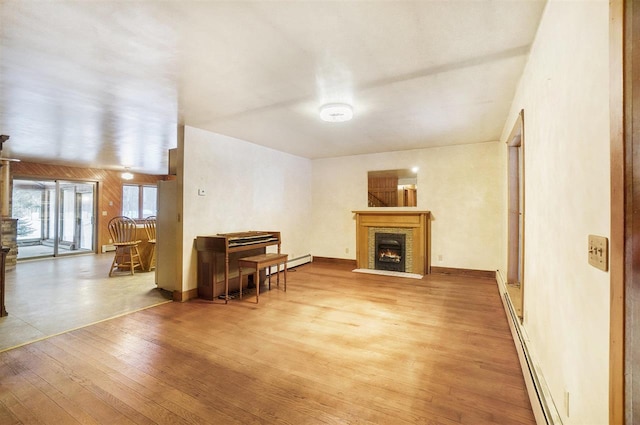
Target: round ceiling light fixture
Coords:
[(127, 175), (336, 112)]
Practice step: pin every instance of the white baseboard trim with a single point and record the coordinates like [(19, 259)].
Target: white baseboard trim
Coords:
[(544, 408), (108, 248)]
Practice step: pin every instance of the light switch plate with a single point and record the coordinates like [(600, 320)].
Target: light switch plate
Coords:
[(599, 252)]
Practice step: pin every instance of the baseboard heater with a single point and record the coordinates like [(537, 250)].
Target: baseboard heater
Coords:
[(549, 411), (294, 262), (108, 248)]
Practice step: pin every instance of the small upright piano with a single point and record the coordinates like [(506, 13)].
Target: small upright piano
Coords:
[(218, 260)]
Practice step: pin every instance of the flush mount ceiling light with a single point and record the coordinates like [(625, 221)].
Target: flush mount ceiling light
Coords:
[(336, 112), (126, 175)]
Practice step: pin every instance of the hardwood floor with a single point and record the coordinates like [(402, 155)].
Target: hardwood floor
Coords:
[(337, 348)]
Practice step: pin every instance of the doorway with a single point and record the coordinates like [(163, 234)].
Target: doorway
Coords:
[(515, 247), (55, 217)]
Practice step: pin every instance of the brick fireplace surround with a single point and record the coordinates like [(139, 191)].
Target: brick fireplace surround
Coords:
[(415, 224)]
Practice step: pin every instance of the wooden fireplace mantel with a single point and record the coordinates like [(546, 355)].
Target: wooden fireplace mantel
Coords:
[(417, 221)]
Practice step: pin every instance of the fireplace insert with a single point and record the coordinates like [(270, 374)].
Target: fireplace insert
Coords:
[(390, 252)]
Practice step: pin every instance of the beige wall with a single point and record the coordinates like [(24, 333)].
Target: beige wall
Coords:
[(247, 187), (461, 185), (564, 94), (250, 187)]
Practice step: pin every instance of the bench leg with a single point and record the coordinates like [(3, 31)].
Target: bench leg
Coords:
[(256, 279), (285, 276), (240, 279)]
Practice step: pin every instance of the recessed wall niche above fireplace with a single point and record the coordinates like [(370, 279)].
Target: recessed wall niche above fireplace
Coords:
[(407, 229)]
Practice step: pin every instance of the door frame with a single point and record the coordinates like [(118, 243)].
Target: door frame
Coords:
[(624, 107), (56, 211), (515, 215)]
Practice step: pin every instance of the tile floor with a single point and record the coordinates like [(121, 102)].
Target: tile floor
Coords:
[(50, 296)]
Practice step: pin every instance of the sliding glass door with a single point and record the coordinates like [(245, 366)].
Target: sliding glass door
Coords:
[(55, 217)]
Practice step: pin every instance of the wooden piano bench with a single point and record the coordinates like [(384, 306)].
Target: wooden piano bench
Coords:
[(259, 262)]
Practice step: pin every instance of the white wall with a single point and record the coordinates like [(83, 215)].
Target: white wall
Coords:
[(461, 185), (565, 97), (247, 187)]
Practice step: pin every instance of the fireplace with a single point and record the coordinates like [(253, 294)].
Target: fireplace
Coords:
[(415, 225), (390, 251)]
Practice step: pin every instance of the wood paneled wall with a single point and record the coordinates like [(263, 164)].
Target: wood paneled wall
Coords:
[(109, 192), (384, 189)]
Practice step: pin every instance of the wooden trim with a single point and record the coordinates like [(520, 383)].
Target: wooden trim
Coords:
[(337, 261), (619, 166), (515, 213), (391, 212), (491, 274), (378, 220), (515, 210), (186, 295), (418, 221)]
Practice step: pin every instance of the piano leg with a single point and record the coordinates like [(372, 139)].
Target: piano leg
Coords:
[(226, 278)]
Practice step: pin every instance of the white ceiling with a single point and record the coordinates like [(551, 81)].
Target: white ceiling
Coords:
[(105, 83)]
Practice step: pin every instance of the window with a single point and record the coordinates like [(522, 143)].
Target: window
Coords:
[(139, 201)]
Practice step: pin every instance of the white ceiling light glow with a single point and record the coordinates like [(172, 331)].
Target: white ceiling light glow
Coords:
[(336, 112), (127, 175)]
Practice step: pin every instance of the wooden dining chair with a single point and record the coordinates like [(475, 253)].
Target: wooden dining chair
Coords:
[(123, 233), (150, 228)]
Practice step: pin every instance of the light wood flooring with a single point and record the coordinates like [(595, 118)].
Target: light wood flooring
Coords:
[(49, 296), (337, 348)]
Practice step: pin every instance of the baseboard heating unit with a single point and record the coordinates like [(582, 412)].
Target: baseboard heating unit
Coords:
[(293, 262), (544, 409)]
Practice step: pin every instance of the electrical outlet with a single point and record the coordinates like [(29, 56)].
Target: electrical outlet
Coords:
[(346, 250), (599, 252), (440, 257)]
